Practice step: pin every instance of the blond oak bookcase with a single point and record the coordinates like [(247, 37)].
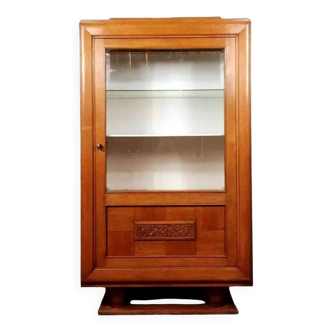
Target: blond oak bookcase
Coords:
[(166, 162)]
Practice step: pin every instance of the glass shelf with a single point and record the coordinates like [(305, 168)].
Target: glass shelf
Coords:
[(136, 94)]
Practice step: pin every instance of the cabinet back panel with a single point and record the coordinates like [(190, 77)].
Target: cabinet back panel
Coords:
[(165, 113)]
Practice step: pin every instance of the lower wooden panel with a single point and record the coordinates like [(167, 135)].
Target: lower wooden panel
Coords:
[(111, 262), (151, 248), (120, 243), (195, 234), (210, 242), (181, 248)]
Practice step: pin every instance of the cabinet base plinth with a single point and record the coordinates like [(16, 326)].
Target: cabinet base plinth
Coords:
[(224, 305)]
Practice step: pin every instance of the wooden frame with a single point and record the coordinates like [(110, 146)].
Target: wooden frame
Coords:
[(177, 33), (164, 198)]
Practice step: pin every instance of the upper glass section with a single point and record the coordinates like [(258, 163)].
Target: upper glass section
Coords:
[(165, 120), (161, 70)]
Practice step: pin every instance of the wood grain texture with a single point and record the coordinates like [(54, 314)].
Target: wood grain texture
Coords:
[(150, 213), (178, 256), (100, 134), (165, 27), (87, 160), (121, 219), (120, 231), (181, 248), (150, 249), (98, 234), (210, 231), (244, 154), (210, 241), (231, 147), (210, 218), (168, 309), (169, 285), (163, 275), (185, 213), (121, 243), (164, 198), (124, 239), (162, 44), (123, 226), (138, 20)]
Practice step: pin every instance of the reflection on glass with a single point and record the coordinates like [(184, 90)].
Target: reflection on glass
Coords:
[(165, 120)]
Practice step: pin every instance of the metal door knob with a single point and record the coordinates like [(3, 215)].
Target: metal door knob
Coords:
[(99, 146)]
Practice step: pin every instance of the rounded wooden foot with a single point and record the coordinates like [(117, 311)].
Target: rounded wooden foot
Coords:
[(215, 296), (117, 297)]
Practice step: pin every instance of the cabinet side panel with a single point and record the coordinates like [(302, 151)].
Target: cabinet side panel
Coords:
[(244, 174), (86, 155), (231, 152)]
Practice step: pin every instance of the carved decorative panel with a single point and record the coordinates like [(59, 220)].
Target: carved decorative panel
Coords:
[(165, 230)]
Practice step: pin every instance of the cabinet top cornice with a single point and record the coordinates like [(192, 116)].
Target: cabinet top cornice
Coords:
[(181, 26), (165, 19)]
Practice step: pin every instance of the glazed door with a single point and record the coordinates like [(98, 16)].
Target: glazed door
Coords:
[(165, 157), (165, 120)]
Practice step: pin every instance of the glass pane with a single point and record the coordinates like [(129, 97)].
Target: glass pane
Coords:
[(165, 120)]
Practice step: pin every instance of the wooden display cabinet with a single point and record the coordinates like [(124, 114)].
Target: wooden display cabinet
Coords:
[(166, 174)]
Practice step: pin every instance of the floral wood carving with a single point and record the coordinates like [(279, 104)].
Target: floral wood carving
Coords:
[(165, 230)]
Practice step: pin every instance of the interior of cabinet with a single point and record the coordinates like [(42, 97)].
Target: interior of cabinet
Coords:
[(165, 113), (165, 120)]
